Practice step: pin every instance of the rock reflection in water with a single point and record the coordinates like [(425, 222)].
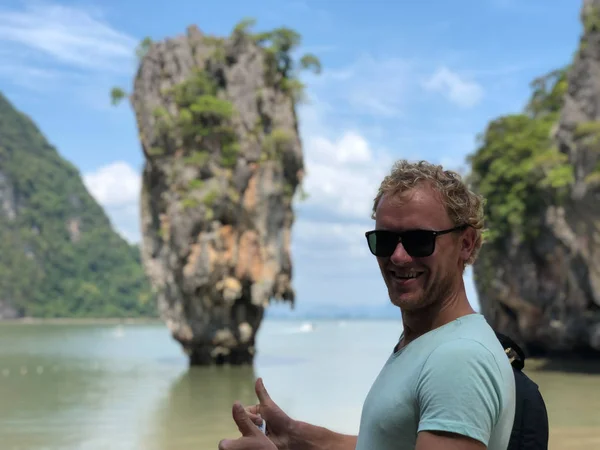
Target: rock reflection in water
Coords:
[(196, 413)]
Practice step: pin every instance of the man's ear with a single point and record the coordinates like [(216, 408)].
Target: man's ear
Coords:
[(467, 243)]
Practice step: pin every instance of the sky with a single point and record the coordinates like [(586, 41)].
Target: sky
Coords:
[(416, 79)]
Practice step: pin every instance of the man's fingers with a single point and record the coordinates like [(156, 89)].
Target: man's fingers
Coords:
[(255, 418), (261, 392), (243, 421), (234, 444), (226, 444)]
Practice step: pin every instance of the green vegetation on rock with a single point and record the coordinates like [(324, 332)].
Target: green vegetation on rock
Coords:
[(203, 121), (210, 198), (197, 159), (60, 256), (591, 20), (189, 203), (143, 48), (275, 144), (591, 24), (281, 70), (203, 118), (196, 121), (589, 128), (594, 176), (588, 134), (517, 166), (196, 184), (117, 95)]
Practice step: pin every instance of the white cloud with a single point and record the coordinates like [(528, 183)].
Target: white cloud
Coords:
[(343, 175), (330, 239), (50, 48), (116, 184), (75, 37), (126, 221), (116, 187), (343, 169), (343, 172), (463, 93)]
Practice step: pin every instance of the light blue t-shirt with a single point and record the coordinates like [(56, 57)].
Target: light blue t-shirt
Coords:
[(455, 378)]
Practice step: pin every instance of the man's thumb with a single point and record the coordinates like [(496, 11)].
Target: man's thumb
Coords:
[(261, 392), (243, 421)]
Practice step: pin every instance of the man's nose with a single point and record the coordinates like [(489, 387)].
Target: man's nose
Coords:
[(400, 257)]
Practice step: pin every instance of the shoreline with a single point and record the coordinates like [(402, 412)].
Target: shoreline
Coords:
[(81, 321), (156, 320)]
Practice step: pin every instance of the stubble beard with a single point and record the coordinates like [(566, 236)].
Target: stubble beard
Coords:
[(435, 293)]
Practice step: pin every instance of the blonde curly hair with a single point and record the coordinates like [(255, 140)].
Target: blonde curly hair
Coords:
[(463, 205)]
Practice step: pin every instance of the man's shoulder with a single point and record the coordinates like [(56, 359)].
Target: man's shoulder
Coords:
[(471, 338), (472, 356), (466, 350)]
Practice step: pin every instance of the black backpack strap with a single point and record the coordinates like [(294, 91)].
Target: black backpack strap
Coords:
[(530, 428)]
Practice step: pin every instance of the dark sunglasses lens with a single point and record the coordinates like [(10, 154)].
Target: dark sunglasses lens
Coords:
[(418, 243), (382, 243)]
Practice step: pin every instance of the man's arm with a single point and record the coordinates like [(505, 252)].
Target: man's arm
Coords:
[(304, 436), (461, 392), (437, 440)]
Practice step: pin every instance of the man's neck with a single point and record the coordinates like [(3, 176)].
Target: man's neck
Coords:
[(419, 322)]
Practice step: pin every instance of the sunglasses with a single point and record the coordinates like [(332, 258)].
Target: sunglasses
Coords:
[(417, 243)]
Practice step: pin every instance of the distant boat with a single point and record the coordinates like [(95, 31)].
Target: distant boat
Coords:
[(307, 327), (118, 332)]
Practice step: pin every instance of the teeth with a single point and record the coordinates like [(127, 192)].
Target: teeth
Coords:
[(407, 274)]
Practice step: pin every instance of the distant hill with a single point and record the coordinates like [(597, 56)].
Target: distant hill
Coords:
[(59, 256), (324, 310)]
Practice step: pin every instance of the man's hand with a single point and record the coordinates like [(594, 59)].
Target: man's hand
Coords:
[(288, 434), (252, 438), (279, 424)]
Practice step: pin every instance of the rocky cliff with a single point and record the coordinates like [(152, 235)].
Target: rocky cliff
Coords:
[(223, 159), (59, 255), (538, 275)]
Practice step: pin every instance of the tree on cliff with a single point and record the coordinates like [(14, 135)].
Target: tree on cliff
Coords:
[(517, 162), (278, 45)]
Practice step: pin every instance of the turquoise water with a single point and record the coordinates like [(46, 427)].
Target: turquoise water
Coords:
[(88, 387)]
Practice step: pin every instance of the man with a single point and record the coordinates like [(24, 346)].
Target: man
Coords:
[(448, 384)]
